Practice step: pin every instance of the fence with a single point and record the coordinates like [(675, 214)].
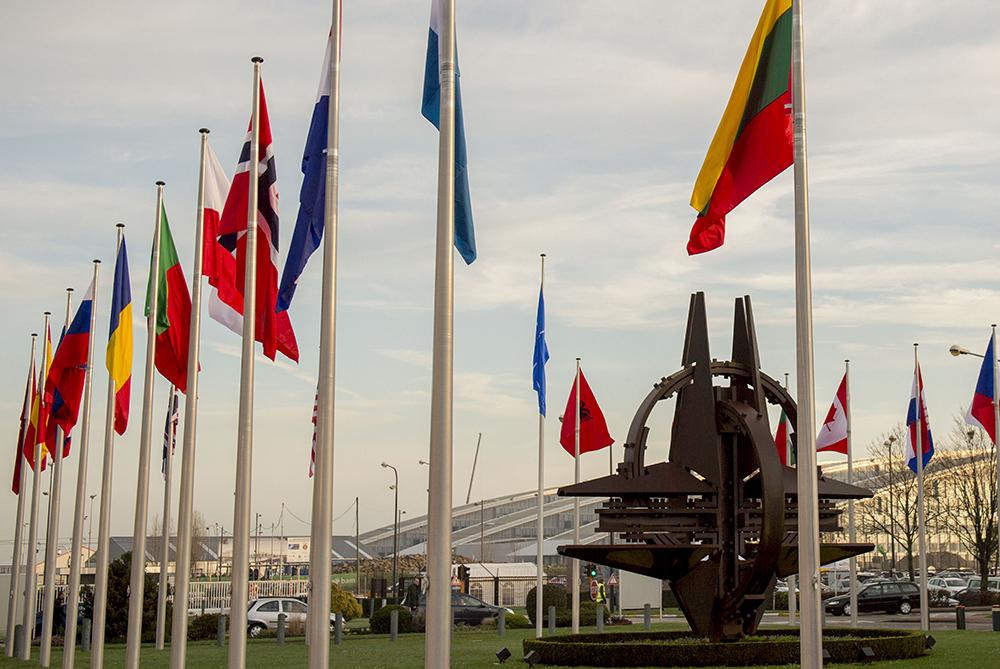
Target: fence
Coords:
[(215, 596), (512, 590)]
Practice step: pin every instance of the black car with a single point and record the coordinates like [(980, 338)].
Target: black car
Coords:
[(888, 596), (469, 610)]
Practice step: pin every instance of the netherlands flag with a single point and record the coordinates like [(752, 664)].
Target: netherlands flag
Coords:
[(465, 238), (926, 440), (981, 410)]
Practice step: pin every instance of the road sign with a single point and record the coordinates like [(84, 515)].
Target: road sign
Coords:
[(613, 580), (593, 589)]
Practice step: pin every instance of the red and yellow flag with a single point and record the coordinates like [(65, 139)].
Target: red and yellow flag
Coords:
[(753, 142), (39, 408)]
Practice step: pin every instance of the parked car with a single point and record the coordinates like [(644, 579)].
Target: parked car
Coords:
[(469, 610), (891, 597), (262, 614), (949, 586), (993, 583)]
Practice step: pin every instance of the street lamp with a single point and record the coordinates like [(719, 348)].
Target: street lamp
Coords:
[(892, 509), (395, 529)]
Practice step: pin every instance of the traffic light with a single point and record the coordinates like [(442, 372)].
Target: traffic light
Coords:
[(592, 570)]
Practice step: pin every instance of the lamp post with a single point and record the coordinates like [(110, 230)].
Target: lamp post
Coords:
[(892, 509), (956, 351), (395, 529), (90, 523)]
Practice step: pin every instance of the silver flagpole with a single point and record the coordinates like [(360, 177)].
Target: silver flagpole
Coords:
[(319, 598), (76, 551), (137, 581), (104, 525), (438, 640), (182, 551), (52, 532), (851, 533), (576, 507), (31, 578), (541, 500), (244, 437), (925, 623), (161, 597), (996, 425), (15, 569), (791, 578), (811, 626)]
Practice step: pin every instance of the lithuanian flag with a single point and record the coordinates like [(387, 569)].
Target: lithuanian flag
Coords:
[(119, 353), (173, 310), (753, 142)]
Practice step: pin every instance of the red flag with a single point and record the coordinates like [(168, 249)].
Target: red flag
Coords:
[(29, 392), (39, 417), (833, 435), (781, 439), (273, 328), (593, 428)]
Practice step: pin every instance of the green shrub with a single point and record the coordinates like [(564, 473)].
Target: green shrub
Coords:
[(344, 603), (379, 623), (203, 627), (552, 595), (978, 598), (588, 615), (518, 622)]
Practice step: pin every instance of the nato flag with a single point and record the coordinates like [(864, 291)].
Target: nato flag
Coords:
[(541, 355)]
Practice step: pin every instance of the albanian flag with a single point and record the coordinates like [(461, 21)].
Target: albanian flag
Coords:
[(173, 310), (753, 142), (593, 428)]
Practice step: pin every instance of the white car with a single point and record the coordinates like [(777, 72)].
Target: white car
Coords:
[(262, 614), (949, 586)]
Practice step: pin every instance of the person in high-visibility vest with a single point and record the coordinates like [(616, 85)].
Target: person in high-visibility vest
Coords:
[(601, 596)]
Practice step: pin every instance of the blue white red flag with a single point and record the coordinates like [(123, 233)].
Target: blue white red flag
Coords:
[(308, 232), (981, 410), (465, 238), (926, 440), (68, 372), (541, 355)]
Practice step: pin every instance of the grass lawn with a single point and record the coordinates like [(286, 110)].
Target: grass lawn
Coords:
[(965, 649)]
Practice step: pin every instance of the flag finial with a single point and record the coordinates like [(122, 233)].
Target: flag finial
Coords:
[(161, 182), (119, 225), (256, 59), (204, 131)]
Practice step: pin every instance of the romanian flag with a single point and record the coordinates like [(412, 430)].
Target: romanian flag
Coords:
[(753, 142), (119, 355), (173, 310), (39, 408)]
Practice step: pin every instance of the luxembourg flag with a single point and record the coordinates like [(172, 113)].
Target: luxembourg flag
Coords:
[(981, 410), (309, 223), (833, 435), (465, 238), (926, 440)]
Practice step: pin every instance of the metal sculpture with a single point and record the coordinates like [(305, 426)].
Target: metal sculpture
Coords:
[(719, 519)]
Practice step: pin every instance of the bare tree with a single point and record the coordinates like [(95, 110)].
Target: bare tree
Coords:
[(970, 485), (199, 530), (893, 511)]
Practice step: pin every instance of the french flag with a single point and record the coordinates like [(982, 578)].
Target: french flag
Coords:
[(465, 238), (981, 410), (308, 232), (68, 372), (926, 440)]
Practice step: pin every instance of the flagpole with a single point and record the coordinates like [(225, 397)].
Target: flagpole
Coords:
[(996, 427), (851, 532), (31, 578), (52, 531), (104, 525), (925, 623), (576, 505), (82, 448), (319, 568), (182, 551), (15, 569), (811, 627), (244, 438), (791, 577), (161, 597), (541, 500), (138, 579)]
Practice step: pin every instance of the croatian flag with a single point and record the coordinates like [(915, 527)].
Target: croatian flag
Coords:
[(833, 435), (465, 238), (981, 410), (308, 232), (926, 440)]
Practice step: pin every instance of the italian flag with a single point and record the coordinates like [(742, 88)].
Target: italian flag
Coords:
[(753, 142), (173, 310)]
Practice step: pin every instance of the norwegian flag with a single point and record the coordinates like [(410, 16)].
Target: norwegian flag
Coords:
[(312, 456), (273, 329), (170, 429)]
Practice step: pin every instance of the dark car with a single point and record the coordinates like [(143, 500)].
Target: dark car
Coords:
[(888, 596), (469, 610)]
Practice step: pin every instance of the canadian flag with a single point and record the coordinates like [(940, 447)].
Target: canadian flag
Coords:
[(833, 435)]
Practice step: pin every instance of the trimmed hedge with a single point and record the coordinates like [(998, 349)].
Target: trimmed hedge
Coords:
[(552, 595), (680, 649), (203, 627), (379, 623)]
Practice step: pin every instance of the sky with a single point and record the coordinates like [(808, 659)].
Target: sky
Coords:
[(586, 126)]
